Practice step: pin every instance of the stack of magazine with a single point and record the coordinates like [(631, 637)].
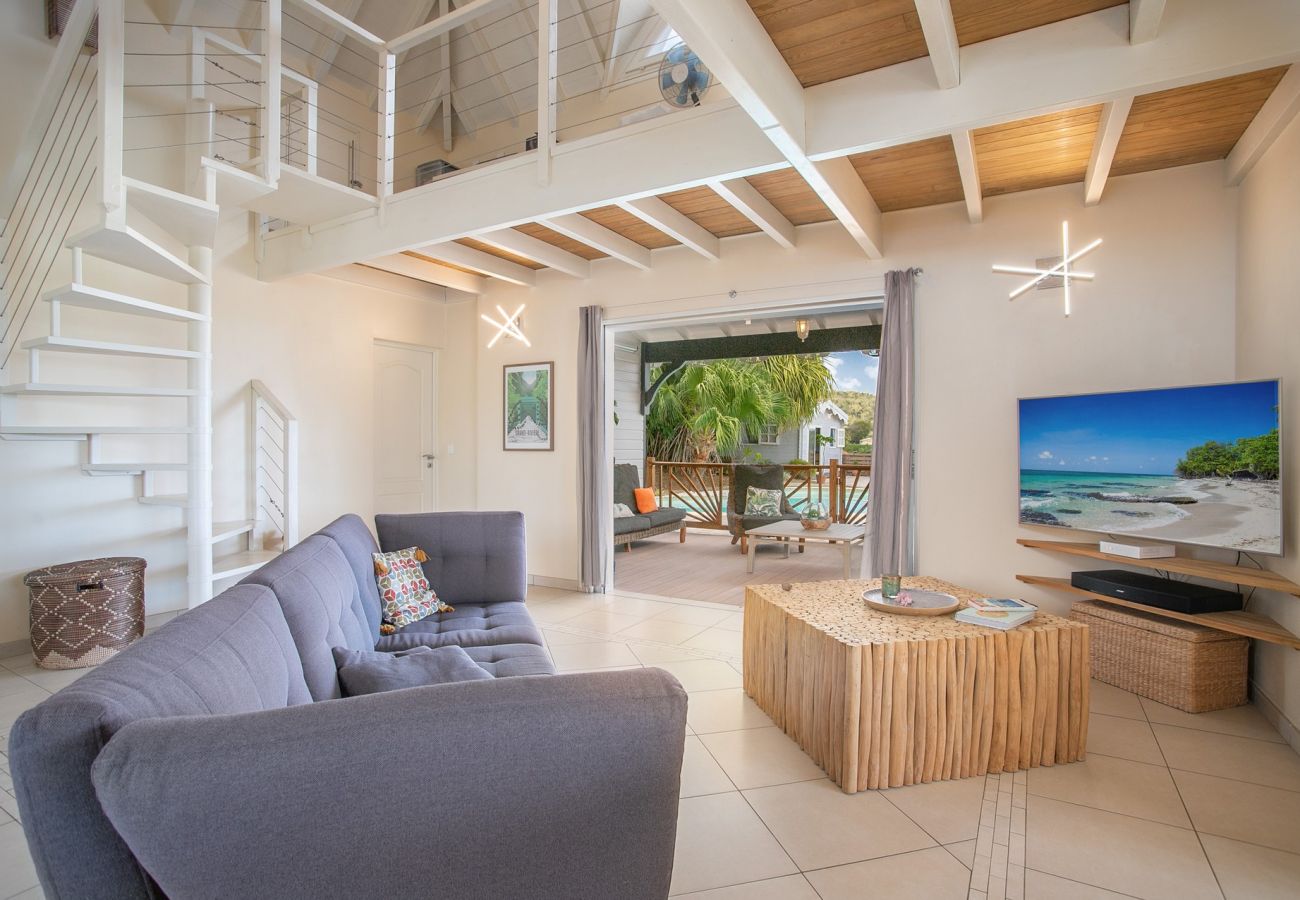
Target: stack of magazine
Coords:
[(1001, 613)]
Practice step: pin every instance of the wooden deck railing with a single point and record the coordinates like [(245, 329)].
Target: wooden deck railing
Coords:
[(702, 489)]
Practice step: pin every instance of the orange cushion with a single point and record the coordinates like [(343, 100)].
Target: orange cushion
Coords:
[(645, 500)]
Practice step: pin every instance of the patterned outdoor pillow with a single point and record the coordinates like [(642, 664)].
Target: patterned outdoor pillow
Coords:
[(403, 589), (763, 502)]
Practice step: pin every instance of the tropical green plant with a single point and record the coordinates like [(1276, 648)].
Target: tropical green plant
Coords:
[(706, 408), (1258, 455)]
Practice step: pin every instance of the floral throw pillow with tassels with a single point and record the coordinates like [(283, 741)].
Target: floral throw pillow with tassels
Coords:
[(403, 588)]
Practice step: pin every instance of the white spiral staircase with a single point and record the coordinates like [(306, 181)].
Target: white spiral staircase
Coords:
[(72, 160)]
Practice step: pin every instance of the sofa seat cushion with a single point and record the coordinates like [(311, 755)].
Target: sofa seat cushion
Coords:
[(362, 672), (469, 625), (665, 515), (512, 660), (629, 524)]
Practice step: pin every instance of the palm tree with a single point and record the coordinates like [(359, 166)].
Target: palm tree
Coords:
[(706, 408)]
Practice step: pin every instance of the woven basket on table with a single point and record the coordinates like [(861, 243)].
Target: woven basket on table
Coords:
[(1180, 664), (83, 613)]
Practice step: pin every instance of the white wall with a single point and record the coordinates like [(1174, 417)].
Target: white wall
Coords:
[(1268, 337), (1160, 313), (309, 339)]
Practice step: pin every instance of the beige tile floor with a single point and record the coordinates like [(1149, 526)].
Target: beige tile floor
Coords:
[(1166, 804)]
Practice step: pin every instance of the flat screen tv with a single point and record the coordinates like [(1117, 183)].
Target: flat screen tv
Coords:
[(1195, 465)]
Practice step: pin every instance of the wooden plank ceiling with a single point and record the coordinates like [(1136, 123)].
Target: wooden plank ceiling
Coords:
[(1036, 153), (824, 40), (919, 174), (1192, 124), (1197, 123)]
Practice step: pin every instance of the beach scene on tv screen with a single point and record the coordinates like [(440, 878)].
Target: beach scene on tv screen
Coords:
[(1197, 465)]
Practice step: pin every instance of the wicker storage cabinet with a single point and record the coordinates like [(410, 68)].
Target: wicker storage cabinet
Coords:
[(83, 613), (1190, 667)]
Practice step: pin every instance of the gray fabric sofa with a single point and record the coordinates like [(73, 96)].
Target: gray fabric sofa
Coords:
[(643, 525), (216, 757)]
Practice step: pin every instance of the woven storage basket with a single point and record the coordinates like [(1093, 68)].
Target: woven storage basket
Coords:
[(1180, 664), (83, 613)]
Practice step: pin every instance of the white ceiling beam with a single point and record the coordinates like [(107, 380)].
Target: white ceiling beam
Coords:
[(428, 271), (1272, 119), (529, 247), (658, 214), (341, 22), (363, 274), (963, 144), (330, 41), (840, 187), (443, 24), (758, 209), (1078, 62), (728, 36), (941, 40), (598, 237), (733, 44), (483, 263), (1144, 20), (1114, 113), (1066, 65)]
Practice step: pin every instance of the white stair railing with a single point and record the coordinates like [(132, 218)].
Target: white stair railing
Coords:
[(272, 470), (50, 178)]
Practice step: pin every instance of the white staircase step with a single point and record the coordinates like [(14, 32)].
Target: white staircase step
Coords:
[(237, 564), (224, 531), (77, 345), (33, 389), (235, 187), (80, 295), (180, 501), (80, 432), (306, 199), (128, 247), (133, 468), (191, 221)]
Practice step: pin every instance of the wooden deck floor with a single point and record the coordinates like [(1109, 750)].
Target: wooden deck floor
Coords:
[(707, 567)]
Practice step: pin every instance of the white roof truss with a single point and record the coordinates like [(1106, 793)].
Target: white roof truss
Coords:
[(941, 40), (1272, 119), (1144, 20), (1114, 113), (483, 263), (758, 209), (529, 247)]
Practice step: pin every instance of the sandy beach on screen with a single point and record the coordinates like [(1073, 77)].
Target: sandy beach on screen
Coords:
[(1243, 515)]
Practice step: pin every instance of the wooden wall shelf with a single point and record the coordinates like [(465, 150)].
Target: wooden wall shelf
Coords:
[(1246, 624), (1239, 575)]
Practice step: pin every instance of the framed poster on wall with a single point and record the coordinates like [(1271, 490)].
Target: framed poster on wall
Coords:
[(529, 409)]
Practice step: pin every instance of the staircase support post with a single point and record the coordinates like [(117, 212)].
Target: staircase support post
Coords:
[(199, 513)]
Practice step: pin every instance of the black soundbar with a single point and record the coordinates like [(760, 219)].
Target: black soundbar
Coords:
[(1163, 593)]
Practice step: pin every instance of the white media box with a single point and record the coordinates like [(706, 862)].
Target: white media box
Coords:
[(1138, 551)]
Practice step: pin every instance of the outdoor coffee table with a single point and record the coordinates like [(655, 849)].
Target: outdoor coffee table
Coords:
[(881, 700), (837, 533)]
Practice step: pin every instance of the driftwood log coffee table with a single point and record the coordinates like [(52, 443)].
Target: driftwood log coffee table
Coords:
[(880, 700)]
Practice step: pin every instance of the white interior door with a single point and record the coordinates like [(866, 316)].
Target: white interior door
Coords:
[(406, 462)]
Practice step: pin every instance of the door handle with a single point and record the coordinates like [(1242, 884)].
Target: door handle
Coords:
[(427, 456)]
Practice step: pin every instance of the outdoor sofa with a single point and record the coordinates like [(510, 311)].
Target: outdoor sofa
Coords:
[(642, 525), (216, 757)]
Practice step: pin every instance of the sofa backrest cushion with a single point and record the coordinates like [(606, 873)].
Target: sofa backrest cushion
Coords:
[(318, 595), (359, 546), (474, 557), (626, 481), (233, 654), (765, 477)]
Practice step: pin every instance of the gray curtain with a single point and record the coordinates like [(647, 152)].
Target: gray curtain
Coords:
[(888, 546), (595, 501)]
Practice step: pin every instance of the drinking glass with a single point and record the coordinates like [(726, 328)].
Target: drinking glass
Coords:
[(890, 585)]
